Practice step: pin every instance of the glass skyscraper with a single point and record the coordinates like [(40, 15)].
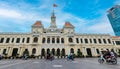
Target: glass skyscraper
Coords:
[(114, 18)]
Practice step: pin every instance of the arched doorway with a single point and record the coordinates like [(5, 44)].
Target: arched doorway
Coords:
[(48, 51), (63, 52), (79, 53), (53, 51), (14, 52), (42, 52), (4, 51), (97, 50), (33, 51), (26, 52), (58, 52), (89, 53), (71, 50)]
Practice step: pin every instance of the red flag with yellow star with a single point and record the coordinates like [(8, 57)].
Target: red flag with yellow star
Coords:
[(54, 5)]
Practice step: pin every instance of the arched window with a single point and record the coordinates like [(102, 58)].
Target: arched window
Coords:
[(7, 40), (33, 51), (48, 40), (35, 39), (58, 40), (18, 40), (86, 40), (43, 40), (62, 40), (70, 40), (53, 40), (28, 39), (2, 40), (77, 40)]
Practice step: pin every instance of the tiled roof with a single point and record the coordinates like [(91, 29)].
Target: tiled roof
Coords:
[(68, 24), (37, 23), (115, 37)]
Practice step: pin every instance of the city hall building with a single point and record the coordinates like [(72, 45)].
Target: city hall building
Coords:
[(57, 41)]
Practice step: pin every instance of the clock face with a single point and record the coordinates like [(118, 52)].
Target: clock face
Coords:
[(52, 29), (53, 19)]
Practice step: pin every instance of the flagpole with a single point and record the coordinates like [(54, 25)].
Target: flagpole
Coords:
[(54, 5)]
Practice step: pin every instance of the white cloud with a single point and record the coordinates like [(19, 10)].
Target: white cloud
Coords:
[(100, 25), (9, 13)]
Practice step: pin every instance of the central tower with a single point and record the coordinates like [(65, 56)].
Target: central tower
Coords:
[(53, 20)]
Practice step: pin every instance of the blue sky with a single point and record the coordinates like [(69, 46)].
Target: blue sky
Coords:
[(88, 16)]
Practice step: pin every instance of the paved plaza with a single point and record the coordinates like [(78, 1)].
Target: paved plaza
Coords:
[(82, 63)]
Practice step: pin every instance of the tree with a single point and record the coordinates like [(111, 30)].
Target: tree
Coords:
[(26, 52), (79, 53)]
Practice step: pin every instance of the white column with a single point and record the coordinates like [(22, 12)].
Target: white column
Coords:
[(10, 40), (106, 41), (50, 40), (84, 51), (59, 40), (94, 51), (4, 40), (45, 40), (83, 40), (55, 40)]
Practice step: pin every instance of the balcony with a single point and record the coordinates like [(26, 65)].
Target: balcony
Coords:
[(71, 44), (35, 43)]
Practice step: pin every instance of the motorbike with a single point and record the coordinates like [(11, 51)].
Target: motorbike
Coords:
[(25, 57), (49, 57), (70, 57), (108, 59)]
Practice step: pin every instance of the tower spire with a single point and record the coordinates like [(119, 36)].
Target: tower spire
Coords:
[(53, 18)]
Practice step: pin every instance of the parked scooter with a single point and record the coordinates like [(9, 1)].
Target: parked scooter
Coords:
[(25, 57)]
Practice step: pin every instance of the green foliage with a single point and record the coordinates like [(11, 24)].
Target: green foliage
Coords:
[(79, 53), (26, 52)]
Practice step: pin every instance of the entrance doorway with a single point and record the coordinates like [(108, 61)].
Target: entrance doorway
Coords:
[(43, 52), (14, 53), (53, 51), (48, 51), (89, 54), (71, 50), (98, 52), (63, 52), (58, 52)]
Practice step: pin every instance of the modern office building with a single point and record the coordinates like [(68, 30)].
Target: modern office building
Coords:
[(58, 41), (114, 18)]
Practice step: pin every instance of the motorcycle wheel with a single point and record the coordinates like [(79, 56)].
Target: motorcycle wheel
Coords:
[(114, 61), (101, 61)]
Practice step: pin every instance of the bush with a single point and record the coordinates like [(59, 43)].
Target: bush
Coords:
[(79, 54)]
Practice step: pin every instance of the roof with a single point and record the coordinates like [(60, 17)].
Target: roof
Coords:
[(115, 36), (68, 24), (37, 23)]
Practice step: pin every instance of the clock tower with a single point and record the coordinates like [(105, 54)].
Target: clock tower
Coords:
[(53, 21)]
